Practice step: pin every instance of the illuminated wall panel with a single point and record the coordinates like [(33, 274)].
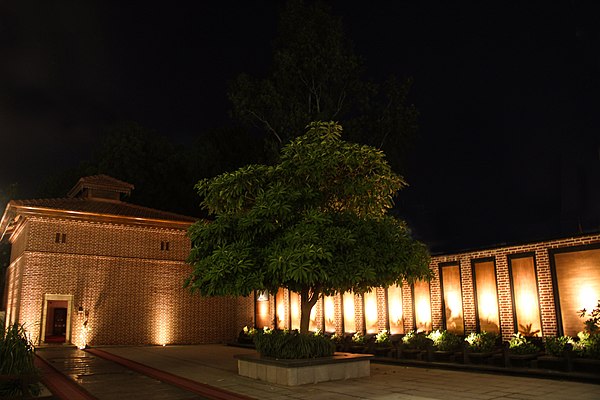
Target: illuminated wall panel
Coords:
[(484, 272), (295, 310), (394, 299), (371, 319), (349, 320), (422, 303), (329, 311), (263, 316), (280, 311), (525, 295), (313, 323), (453, 307), (577, 276)]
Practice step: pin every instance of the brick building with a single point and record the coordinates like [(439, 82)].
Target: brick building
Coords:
[(91, 268)]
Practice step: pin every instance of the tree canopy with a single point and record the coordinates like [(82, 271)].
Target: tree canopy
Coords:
[(316, 75), (315, 223)]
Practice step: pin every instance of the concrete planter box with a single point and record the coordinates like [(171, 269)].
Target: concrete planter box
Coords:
[(301, 372)]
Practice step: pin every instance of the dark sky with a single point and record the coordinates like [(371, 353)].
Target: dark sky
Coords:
[(507, 91)]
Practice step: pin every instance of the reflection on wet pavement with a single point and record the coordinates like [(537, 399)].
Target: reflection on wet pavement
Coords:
[(107, 380)]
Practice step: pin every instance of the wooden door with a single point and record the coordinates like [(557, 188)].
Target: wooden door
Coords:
[(59, 324)]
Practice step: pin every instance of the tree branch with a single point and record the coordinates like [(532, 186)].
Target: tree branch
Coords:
[(267, 124)]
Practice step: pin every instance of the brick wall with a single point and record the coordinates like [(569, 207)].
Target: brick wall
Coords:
[(107, 239), (500, 256), (130, 291)]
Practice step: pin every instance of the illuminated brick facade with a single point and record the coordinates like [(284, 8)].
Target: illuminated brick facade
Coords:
[(121, 277), (118, 271), (541, 252)]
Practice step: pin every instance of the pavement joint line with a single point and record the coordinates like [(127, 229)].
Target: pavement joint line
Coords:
[(202, 389)]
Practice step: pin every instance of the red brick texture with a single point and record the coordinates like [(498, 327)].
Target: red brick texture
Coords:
[(500, 256), (130, 288), (130, 291)]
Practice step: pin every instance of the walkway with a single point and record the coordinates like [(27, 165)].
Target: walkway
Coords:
[(214, 365)]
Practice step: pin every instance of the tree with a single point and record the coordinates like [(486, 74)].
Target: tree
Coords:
[(317, 76), (127, 151), (315, 223)]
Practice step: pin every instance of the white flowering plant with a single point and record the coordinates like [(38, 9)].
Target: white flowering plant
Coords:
[(383, 337)]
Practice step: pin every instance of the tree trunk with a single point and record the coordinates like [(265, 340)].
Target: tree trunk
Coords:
[(308, 299)]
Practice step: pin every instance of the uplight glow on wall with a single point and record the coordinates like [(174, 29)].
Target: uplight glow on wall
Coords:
[(262, 310), (329, 314), (349, 321), (577, 276), (313, 324), (453, 312), (394, 297), (525, 294), (280, 301), (487, 295), (370, 299), (163, 329), (422, 306), (295, 309)]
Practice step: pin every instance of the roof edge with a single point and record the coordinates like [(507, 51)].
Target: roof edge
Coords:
[(32, 211)]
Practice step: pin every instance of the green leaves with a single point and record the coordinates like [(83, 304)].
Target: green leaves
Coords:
[(316, 221), (16, 358)]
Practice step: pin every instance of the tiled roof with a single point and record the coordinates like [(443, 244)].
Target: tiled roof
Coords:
[(101, 204), (101, 182), (93, 206)]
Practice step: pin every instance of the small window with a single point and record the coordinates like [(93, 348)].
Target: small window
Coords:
[(164, 246), (57, 240), (64, 238), (60, 238)]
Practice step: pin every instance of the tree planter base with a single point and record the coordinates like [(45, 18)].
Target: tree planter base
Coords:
[(301, 372)]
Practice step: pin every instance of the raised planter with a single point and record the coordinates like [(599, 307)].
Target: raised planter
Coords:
[(518, 360), (476, 357), (446, 356), (301, 372), (554, 363), (382, 351), (589, 365), (411, 354)]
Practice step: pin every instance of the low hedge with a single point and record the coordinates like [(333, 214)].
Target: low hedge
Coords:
[(292, 344)]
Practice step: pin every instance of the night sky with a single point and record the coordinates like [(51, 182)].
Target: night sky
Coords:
[(507, 93)]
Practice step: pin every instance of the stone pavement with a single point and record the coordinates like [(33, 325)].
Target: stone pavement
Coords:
[(107, 380), (214, 365)]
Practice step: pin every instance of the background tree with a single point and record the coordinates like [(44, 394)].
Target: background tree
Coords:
[(317, 76), (315, 223), (163, 172)]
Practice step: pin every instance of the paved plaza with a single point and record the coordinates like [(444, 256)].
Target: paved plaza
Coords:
[(214, 365)]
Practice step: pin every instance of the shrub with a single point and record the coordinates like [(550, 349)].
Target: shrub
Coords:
[(445, 341), (249, 331), (592, 324), (292, 344), (337, 339), (16, 358), (519, 344), (358, 338), (483, 342), (556, 346), (588, 345), (416, 340), (383, 338), (592, 346)]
